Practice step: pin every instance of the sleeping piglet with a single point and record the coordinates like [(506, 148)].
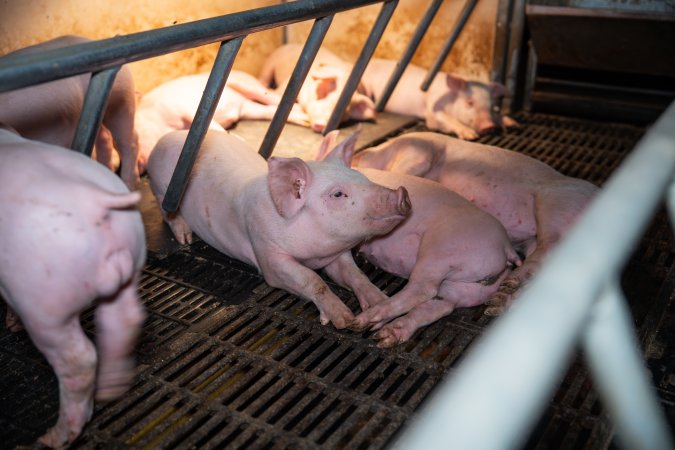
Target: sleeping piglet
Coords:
[(49, 112), (324, 83), (536, 204), (452, 104), (285, 216), (453, 254), (172, 106), (71, 238)]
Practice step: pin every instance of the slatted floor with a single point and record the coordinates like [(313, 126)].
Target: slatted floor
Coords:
[(225, 361)]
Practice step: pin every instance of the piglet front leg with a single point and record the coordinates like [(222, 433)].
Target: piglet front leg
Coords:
[(346, 273), (286, 273)]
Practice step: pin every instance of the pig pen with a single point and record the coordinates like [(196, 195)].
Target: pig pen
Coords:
[(225, 361)]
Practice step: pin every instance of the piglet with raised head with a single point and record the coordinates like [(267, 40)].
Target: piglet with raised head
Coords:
[(285, 216), (71, 238), (453, 254), (49, 112), (536, 204), (452, 104)]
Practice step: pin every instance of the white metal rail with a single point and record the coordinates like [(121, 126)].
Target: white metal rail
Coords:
[(501, 389)]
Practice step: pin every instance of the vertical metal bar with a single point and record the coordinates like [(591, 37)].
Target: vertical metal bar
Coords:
[(516, 98), (360, 65), (670, 203), (93, 110), (207, 107), (461, 21), (408, 54), (300, 72), (614, 357)]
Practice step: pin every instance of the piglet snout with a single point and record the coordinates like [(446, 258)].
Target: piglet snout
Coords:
[(403, 205)]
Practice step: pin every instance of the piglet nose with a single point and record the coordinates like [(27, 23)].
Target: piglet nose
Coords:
[(318, 126), (403, 204)]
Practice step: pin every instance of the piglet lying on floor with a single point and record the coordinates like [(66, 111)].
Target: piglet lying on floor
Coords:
[(49, 112), (324, 83), (284, 216), (172, 106), (71, 238), (452, 104), (453, 254), (536, 204)]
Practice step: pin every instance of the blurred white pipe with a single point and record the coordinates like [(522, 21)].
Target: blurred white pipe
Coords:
[(499, 392)]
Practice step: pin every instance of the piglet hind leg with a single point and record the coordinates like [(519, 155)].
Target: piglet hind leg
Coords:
[(179, 227), (118, 323), (73, 358)]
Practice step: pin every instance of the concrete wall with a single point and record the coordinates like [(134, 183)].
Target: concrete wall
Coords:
[(26, 22)]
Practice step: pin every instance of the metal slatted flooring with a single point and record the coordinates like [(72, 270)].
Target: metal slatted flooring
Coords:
[(225, 361)]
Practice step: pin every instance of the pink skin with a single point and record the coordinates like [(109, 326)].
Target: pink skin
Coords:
[(49, 113), (284, 216), (536, 204), (172, 106), (453, 254), (72, 239), (322, 87), (451, 105)]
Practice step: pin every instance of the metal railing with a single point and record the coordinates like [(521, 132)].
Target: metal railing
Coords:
[(500, 390)]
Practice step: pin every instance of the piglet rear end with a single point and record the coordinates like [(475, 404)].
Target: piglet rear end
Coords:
[(71, 238)]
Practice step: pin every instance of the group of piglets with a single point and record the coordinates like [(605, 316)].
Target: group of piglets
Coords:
[(452, 104), (473, 231)]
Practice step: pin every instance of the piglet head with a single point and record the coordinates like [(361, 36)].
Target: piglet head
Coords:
[(331, 202)]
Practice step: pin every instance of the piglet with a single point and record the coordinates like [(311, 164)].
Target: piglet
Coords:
[(536, 204), (49, 112), (452, 104), (172, 106), (452, 253), (71, 238), (322, 88), (284, 216)]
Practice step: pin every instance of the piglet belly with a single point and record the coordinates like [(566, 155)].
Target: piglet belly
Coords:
[(394, 254)]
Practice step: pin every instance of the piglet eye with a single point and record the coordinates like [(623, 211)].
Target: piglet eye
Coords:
[(339, 194)]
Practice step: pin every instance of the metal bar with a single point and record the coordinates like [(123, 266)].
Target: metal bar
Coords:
[(518, 361), (93, 110), (463, 17), (24, 70), (207, 107), (360, 65), (616, 361), (408, 54), (300, 72), (515, 99)]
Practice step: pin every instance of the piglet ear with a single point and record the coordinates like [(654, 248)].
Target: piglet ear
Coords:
[(288, 180), (497, 90), (344, 151), (362, 107), (455, 83), (326, 81)]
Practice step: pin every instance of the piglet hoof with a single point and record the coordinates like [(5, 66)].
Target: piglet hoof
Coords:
[(12, 321), (494, 311), (58, 437), (509, 122), (388, 338)]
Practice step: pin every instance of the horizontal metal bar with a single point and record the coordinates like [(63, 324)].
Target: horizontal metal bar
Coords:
[(27, 69), (461, 21), (613, 353), (422, 28), (302, 66), (507, 379), (360, 65), (205, 111), (93, 110)]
